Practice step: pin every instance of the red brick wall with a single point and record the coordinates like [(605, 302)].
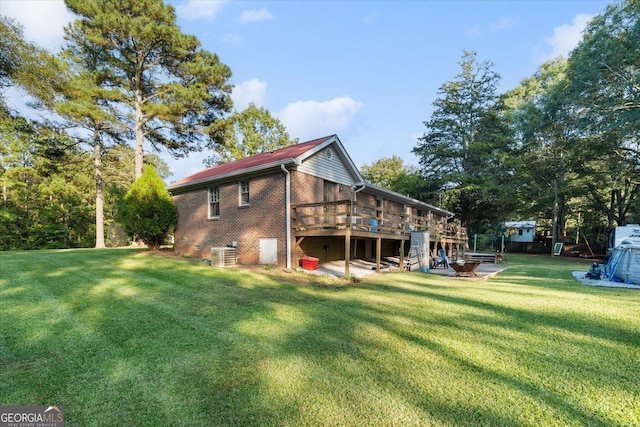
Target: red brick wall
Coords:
[(263, 218), (310, 189)]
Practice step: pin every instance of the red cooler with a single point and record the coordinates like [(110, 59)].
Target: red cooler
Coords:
[(309, 262)]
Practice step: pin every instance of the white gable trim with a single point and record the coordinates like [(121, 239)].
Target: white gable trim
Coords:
[(336, 145)]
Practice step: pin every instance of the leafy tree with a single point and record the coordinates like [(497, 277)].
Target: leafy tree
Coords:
[(384, 172), (119, 175), (148, 211), (43, 182), (605, 68), (604, 73), (174, 91), (393, 174), (45, 186), (465, 149), (543, 121), (250, 132)]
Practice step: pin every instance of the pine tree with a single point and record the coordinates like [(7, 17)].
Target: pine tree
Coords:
[(175, 92), (466, 147)]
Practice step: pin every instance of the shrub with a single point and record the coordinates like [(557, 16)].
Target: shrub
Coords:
[(148, 211)]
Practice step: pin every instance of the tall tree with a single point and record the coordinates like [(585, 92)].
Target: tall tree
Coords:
[(543, 122), (251, 131), (175, 92), (43, 182), (604, 73), (88, 104), (464, 145), (45, 187)]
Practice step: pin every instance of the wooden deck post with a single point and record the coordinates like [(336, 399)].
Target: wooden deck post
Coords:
[(401, 254), (378, 251), (347, 250), (295, 251)]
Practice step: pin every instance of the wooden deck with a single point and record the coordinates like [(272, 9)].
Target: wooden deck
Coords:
[(336, 218), (347, 220)]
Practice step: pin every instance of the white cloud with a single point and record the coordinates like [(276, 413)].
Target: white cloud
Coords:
[(199, 9), (311, 119), (564, 39), (251, 16), (249, 91), (43, 20)]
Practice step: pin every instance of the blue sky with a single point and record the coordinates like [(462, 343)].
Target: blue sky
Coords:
[(368, 71)]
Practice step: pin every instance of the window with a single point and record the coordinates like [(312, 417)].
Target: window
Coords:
[(214, 202), (244, 193)]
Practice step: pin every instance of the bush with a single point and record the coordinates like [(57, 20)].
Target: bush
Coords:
[(148, 211)]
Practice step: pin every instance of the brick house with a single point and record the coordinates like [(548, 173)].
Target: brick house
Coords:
[(304, 200)]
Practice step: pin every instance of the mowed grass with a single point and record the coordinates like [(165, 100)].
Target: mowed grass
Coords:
[(123, 337)]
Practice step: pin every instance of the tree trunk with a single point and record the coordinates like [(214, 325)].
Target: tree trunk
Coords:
[(562, 206), (562, 217), (139, 131), (97, 163), (554, 226), (139, 118)]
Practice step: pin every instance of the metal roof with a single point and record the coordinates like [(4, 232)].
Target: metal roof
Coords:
[(249, 164)]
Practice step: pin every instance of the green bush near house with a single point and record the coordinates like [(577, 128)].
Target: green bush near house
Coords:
[(148, 211), (126, 337)]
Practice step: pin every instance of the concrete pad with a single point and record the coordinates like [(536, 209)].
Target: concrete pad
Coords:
[(604, 282), (361, 268), (483, 272), (357, 268)]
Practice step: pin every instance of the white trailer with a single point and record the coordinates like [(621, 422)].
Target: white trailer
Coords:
[(616, 235)]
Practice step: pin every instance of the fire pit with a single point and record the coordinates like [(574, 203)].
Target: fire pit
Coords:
[(468, 269)]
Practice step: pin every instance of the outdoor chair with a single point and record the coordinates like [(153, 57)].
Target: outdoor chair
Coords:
[(441, 259)]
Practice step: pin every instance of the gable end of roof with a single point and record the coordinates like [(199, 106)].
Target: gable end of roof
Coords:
[(251, 164)]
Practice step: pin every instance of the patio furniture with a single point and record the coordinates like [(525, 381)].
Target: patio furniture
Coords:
[(467, 269), (441, 259)]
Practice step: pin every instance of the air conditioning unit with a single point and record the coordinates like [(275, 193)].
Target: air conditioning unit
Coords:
[(223, 257)]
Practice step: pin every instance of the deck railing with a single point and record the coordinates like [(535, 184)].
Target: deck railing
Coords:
[(361, 217)]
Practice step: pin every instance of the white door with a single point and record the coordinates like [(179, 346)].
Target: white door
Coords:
[(268, 251)]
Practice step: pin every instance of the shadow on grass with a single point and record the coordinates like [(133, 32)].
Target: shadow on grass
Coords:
[(168, 342)]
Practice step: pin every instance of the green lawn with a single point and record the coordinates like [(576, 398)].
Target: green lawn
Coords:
[(121, 337)]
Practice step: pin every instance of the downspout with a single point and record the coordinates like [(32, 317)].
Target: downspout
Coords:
[(287, 190), (358, 190), (355, 196)]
